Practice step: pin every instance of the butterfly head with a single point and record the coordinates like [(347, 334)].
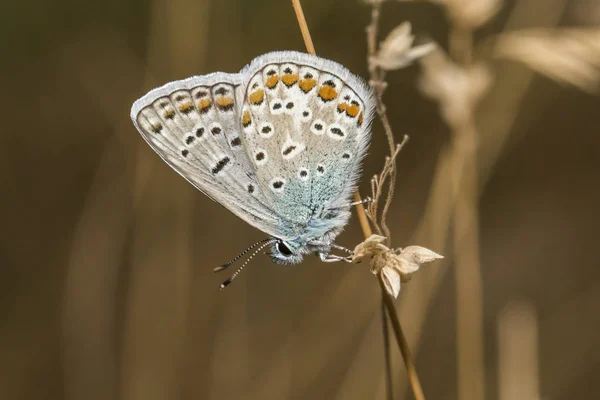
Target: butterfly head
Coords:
[(286, 252)]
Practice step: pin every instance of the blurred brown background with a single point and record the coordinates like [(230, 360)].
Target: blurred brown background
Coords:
[(106, 282)]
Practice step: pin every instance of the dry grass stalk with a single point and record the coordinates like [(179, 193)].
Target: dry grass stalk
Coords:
[(518, 369)]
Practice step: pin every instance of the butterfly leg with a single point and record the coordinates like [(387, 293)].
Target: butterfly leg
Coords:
[(333, 258), (363, 201), (355, 203), (332, 245)]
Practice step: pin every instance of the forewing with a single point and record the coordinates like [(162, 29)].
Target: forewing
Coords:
[(194, 126)]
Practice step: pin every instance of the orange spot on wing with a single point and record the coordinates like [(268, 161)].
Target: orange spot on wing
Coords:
[(204, 104), (272, 81), (169, 114), (360, 119), (246, 119), (307, 84), (289, 79), (257, 97), (327, 93), (186, 107), (342, 107), (353, 110), (224, 101)]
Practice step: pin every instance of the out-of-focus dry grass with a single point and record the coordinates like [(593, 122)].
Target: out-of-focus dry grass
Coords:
[(107, 255)]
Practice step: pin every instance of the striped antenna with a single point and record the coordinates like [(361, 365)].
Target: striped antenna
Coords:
[(228, 281), (224, 266)]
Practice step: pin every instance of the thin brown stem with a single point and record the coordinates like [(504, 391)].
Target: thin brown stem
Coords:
[(376, 80), (386, 350), (413, 377), (391, 187), (362, 216), (308, 43)]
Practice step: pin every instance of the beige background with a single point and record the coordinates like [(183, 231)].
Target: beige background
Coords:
[(106, 282)]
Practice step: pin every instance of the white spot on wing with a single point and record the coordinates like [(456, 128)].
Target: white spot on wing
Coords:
[(306, 115), (303, 174), (260, 156), (277, 184), (199, 132), (291, 149), (336, 132), (266, 130), (276, 106), (318, 127), (290, 106)]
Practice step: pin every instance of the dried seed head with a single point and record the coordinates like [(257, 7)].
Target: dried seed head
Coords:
[(397, 50), (391, 281), (394, 266)]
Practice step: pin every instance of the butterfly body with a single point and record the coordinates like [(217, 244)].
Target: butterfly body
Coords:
[(279, 144)]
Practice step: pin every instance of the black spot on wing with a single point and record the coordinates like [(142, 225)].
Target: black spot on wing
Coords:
[(337, 131), (157, 128), (220, 165), (288, 150)]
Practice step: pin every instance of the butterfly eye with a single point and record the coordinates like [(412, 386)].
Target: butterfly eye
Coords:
[(283, 249)]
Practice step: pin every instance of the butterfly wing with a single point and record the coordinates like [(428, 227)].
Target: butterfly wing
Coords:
[(306, 128), (194, 127), (273, 144)]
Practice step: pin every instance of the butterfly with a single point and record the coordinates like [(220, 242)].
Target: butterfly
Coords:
[(280, 144)]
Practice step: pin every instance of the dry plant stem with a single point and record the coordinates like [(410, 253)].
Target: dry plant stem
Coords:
[(389, 388), (364, 223), (469, 311), (362, 217), (310, 48), (376, 79), (413, 377)]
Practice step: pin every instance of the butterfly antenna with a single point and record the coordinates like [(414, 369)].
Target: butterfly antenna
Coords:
[(232, 277), (224, 266)]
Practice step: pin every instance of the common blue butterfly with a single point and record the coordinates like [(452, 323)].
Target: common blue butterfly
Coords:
[(280, 144)]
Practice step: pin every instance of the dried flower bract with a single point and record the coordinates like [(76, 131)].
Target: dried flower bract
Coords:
[(397, 50), (393, 265)]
